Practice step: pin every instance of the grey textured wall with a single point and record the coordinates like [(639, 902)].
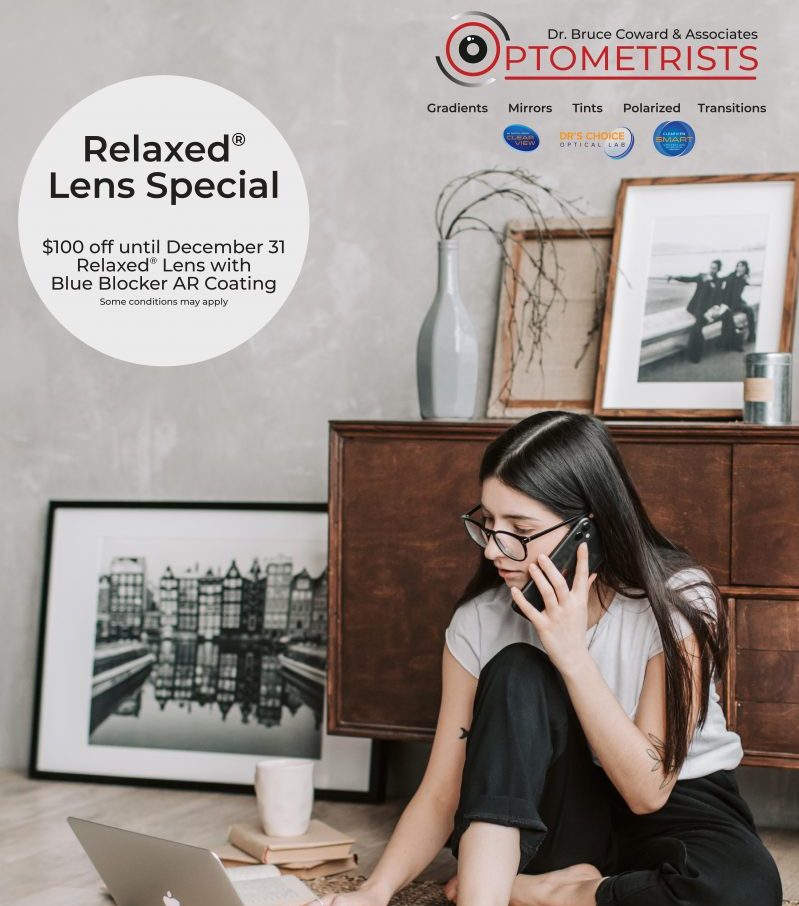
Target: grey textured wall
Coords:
[(347, 83)]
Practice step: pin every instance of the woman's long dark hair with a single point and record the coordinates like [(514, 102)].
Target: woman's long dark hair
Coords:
[(568, 462)]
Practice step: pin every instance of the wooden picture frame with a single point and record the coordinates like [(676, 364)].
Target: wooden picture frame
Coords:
[(182, 642), (561, 374), (656, 354)]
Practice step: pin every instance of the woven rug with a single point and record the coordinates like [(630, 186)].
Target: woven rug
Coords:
[(417, 893)]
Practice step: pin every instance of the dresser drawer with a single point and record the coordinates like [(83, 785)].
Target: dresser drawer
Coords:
[(766, 675), (769, 727)]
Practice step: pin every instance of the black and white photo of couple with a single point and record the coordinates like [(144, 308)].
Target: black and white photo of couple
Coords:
[(703, 298), (719, 298)]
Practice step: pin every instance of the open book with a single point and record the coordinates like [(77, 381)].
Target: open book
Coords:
[(263, 885)]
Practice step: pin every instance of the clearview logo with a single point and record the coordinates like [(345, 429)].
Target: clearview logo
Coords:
[(520, 137), (478, 51)]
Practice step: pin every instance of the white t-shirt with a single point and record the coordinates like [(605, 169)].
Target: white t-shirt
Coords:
[(626, 637)]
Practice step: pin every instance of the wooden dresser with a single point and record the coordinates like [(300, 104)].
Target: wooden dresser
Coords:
[(399, 559)]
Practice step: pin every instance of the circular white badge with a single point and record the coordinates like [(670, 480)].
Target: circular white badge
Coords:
[(163, 220), (621, 144)]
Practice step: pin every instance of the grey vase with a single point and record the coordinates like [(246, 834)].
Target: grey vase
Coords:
[(446, 351)]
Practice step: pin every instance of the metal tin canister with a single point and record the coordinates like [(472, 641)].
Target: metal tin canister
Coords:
[(767, 388)]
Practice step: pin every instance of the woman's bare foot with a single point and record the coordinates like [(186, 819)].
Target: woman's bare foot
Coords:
[(548, 889), (553, 888)]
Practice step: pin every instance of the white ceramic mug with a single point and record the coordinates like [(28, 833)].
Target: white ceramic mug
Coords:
[(284, 788)]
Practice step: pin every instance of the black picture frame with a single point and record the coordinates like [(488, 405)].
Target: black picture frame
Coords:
[(377, 757)]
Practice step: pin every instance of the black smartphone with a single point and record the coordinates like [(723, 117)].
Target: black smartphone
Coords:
[(565, 558)]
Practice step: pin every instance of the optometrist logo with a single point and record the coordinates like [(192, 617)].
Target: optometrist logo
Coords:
[(620, 144), (521, 138), (473, 48), (674, 138)]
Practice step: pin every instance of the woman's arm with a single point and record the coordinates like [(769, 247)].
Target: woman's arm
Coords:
[(622, 747), (421, 832), (427, 821), (630, 751), (650, 718)]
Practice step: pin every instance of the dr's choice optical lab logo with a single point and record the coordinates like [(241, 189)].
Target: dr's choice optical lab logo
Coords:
[(616, 143)]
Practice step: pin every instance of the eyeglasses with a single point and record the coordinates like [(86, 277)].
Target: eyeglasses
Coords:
[(511, 545)]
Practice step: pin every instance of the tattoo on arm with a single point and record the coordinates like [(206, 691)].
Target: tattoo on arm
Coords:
[(657, 756), (464, 733)]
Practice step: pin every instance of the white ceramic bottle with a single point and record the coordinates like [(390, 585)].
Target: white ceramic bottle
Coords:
[(446, 351)]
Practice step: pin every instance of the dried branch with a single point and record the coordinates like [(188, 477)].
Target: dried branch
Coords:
[(468, 195)]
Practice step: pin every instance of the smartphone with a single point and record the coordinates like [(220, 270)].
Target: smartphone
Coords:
[(565, 558)]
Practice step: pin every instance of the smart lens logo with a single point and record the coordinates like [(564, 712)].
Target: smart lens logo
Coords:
[(473, 48), (522, 138), (620, 144), (674, 138)]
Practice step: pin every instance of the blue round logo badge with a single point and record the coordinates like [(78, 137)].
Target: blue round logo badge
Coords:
[(521, 138), (674, 138)]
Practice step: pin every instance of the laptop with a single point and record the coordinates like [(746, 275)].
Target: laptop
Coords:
[(140, 870)]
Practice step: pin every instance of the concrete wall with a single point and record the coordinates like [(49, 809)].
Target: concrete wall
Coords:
[(347, 83)]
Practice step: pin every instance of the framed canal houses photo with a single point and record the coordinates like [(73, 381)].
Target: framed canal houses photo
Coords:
[(180, 643)]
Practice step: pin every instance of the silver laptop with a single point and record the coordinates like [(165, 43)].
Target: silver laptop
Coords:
[(140, 870)]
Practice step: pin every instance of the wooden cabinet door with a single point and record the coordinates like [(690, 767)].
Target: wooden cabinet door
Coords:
[(685, 488), (765, 515), (399, 559), (765, 672)]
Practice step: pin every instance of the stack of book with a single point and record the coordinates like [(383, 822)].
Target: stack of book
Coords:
[(320, 851)]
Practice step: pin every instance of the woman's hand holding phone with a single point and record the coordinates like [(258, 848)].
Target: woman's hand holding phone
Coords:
[(561, 626)]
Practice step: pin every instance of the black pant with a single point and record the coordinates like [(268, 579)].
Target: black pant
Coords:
[(696, 340), (528, 765), (730, 337)]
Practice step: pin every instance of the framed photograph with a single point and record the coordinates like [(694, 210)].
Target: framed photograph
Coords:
[(180, 643), (704, 272), (549, 317)]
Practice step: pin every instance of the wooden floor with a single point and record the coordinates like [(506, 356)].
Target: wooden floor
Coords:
[(42, 863)]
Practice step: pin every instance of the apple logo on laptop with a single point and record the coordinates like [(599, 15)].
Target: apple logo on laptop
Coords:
[(169, 900)]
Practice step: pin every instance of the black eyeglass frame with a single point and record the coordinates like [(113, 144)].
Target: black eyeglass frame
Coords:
[(524, 539)]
